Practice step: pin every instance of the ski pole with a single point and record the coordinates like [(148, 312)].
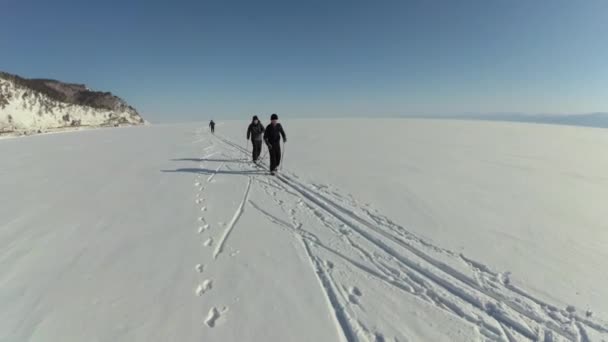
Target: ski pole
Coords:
[(252, 147), (282, 156)]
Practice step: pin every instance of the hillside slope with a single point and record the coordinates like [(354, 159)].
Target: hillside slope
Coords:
[(37, 105)]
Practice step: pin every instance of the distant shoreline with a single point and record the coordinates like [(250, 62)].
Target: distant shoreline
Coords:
[(595, 120), (23, 134)]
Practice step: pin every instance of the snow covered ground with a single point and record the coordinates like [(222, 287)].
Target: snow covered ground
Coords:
[(385, 230)]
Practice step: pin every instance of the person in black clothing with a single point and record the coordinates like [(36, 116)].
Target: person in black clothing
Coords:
[(212, 126), (255, 132), (272, 137)]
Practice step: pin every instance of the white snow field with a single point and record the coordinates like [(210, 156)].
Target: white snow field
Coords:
[(375, 230)]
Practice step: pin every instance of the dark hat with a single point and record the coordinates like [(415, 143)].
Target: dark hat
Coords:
[(255, 117), (274, 117)]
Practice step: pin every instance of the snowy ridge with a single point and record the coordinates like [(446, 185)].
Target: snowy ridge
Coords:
[(388, 252), (24, 109)]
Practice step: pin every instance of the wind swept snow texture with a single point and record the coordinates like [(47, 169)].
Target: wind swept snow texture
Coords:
[(188, 240), (35, 106)]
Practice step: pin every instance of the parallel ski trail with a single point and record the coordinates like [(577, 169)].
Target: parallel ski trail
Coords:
[(511, 303), (414, 286), (341, 318), (382, 275), (456, 284), (511, 307), (237, 215)]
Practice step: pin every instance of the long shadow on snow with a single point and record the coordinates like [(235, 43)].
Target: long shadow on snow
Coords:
[(212, 160), (219, 172)]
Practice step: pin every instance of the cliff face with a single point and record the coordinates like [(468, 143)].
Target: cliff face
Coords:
[(36, 105)]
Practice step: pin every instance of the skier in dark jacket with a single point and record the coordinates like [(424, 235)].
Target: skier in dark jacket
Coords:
[(212, 126), (255, 132), (272, 137)]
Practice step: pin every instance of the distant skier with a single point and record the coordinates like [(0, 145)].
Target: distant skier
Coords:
[(212, 126), (272, 137), (255, 132)]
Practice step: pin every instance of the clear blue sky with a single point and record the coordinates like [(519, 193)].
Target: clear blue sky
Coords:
[(187, 60)]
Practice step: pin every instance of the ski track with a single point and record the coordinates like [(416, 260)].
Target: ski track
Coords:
[(488, 300), (214, 173), (209, 155), (504, 315), (237, 215), (382, 276), (328, 287), (455, 283), (582, 332)]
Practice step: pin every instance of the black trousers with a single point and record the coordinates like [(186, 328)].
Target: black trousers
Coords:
[(257, 149), (275, 156), (212, 129)]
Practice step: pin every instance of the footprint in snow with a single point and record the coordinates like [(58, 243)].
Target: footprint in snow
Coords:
[(208, 242), (200, 268), (214, 315), (204, 287), (204, 209), (354, 294)]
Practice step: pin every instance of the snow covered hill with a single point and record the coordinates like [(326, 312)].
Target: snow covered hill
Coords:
[(417, 230), (36, 105)]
